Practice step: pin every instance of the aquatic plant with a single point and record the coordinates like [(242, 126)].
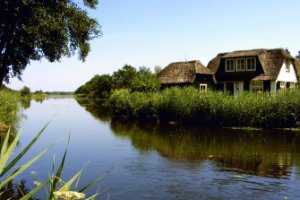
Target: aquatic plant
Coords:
[(9, 171), (210, 109)]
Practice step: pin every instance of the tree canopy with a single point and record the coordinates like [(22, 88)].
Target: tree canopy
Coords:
[(33, 29), (101, 86)]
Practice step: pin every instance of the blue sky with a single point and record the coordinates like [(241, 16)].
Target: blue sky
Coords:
[(157, 32)]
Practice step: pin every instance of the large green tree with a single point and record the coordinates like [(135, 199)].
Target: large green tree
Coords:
[(33, 29)]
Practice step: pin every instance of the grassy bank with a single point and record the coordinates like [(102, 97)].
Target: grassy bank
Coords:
[(209, 109), (8, 108)]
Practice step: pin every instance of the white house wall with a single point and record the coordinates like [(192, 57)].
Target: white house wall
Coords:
[(287, 76)]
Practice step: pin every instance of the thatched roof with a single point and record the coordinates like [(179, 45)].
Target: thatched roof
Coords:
[(297, 67), (271, 61), (182, 72)]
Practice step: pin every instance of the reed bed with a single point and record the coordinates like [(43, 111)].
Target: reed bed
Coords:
[(209, 109), (8, 109)]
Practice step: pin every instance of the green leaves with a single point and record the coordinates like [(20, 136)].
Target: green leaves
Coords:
[(6, 151), (30, 30)]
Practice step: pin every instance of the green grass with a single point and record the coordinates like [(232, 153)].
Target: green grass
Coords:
[(209, 109), (8, 109)]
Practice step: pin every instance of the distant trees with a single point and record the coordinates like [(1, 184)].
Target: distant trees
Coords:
[(101, 86), (33, 29), (98, 86), (25, 91), (157, 69)]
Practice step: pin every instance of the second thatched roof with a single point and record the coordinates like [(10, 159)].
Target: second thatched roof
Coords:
[(182, 72), (271, 61)]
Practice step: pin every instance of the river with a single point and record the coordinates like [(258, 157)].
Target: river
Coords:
[(142, 161)]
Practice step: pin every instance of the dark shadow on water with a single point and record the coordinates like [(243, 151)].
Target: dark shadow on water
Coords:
[(98, 108), (263, 153), (14, 191), (267, 153)]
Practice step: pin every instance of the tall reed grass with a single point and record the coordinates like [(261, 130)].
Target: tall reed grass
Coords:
[(8, 109), (209, 109)]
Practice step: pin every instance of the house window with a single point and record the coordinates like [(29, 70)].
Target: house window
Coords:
[(251, 64), (257, 86), (282, 85), (240, 64), (203, 87), (229, 66)]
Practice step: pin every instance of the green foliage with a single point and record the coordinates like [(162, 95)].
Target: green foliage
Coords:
[(128, 77), (7, 175), (5, 168), (97, 87), (210, 109), (124, 78), (157, 69), (25, 91), (31, 30), (145, 81), (8, 109)]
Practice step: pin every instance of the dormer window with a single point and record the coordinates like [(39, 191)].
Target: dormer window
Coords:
[(229, 65), (251, 64), (240, 64)]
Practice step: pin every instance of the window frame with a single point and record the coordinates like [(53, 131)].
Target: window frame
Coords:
[(240, 64), (203, 85), (231, 67), (253, 68), (255, 87), (282, 84)]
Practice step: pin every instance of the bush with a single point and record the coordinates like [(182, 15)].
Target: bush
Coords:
[(25, 91)]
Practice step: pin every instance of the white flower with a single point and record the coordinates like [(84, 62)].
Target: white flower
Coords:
[(69, 195)]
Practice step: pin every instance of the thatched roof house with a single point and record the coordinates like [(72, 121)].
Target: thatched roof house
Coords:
[(184, 73), (238, 69)]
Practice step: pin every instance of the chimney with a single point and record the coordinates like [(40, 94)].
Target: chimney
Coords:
[(298, 56)]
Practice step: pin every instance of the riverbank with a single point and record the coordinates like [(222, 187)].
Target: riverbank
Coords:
[(8, 108), (209, 109)]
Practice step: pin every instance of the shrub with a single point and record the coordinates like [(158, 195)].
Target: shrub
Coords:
[(25, 91)]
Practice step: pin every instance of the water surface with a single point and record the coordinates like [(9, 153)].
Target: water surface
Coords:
[(161, 162)]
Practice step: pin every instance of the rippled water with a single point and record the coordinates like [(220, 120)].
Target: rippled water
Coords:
[(162, 162)]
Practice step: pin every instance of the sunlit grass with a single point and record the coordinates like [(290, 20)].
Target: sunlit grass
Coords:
[(8, 109), (210, 109)]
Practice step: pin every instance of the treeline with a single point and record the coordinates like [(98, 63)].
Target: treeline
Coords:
[(209, 109), (136, 80)]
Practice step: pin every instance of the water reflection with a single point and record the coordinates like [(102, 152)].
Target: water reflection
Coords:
[(15, 191), (98, 108), (263, 153), (25, 103)]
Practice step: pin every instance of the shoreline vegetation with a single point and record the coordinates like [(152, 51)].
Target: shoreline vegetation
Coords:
[(135, 94), (8, 109), (190, 106), (9, 139)]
